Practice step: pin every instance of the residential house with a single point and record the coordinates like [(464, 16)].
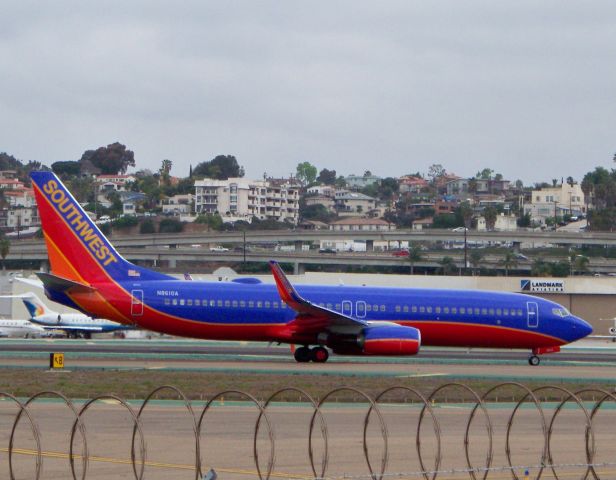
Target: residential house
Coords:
[(353, 203), (412, 184), (177, 205), (357, 182), (114, 182)]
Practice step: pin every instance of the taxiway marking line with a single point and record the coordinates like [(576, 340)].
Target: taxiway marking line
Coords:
[(122, 461)]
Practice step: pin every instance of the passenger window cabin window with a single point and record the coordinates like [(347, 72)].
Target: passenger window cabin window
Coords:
[(375, 308), (445, 309), (414, 309), (454, 310), (462, 311), (491, 311), (506, 312), (182, 301), (329, 305), (267, 304), (519, 312), (242, 303), (227, 303), (422, 309), (275, 304), (405, 309), (251, 304), (174, 301), (259, 304), (499, 312), (234, 303), (338, 307), (167, 301), (429, 309), (368, 308), (189, 302), (437, 309), (198, 302), (476, 311), (383, 308), (398, 309), (484, 311)]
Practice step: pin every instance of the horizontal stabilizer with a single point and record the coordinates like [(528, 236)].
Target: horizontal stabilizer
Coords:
[(59, 284)]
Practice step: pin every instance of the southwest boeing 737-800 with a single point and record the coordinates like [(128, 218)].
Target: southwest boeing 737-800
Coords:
[(87, 273)]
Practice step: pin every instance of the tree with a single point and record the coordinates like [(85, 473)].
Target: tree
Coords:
[(5, 247), (112, 159), (540, 268), (475, 258), (509, 261), (447, 266), (68, 168), (165, 168), (490, 214), (212, 220), (315, 212), (387, 188), (414, 256), (170, 225), (485, 174), (467, 213), (306, 173), (435, 172), (327, 177), (147, 226), (220, 167), (579, 263)]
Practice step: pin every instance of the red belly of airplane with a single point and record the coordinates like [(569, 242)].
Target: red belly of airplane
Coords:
[(449, 334)]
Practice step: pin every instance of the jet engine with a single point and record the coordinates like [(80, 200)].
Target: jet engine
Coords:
[(383, 340)]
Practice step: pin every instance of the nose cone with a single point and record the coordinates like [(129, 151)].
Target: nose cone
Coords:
[(582, 328)]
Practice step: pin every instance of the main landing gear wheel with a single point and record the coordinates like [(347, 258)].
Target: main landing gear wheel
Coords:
[(319, 354), (302, 354), (534, 360)]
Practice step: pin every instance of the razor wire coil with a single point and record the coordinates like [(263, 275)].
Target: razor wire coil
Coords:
[(265, 464)]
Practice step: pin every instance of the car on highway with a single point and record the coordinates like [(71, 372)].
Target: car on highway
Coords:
[(459, 229), (218, 248), (519, 256), (400, 253), (327, 250)]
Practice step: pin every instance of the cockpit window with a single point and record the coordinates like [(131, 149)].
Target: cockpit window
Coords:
[(561, 312)]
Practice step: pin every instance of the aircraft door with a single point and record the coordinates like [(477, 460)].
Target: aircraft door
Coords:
[(533, 314), (360, 309), (347, 307), (136, 303)]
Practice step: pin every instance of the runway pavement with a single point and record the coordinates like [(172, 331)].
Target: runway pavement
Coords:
[(589, 360)]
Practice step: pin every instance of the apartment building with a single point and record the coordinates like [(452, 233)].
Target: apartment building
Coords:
[(556, 201), (238, 197)]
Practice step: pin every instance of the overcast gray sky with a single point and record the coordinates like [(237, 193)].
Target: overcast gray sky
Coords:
[(526, 87)]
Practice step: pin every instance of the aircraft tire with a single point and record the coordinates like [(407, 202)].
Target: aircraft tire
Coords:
[(534, 360), (319, 355), (302, 355)]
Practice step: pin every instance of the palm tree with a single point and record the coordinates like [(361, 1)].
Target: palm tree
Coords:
[(541, 268), (447, 266), (414, 256), (579, 263), (475, 258), (509, 261), (5, 247), (490, 214)]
